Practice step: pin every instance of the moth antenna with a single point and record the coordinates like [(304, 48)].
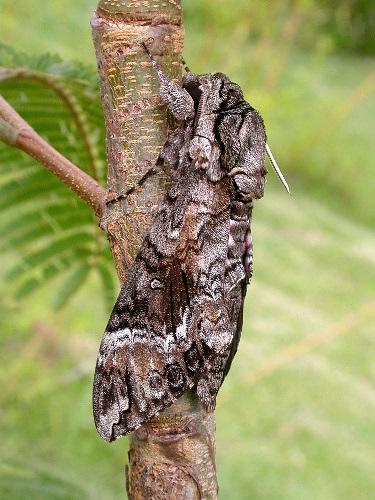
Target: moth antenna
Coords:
[(154, 63), (186, 67), (146, 49), (276, 168), (178, 100)]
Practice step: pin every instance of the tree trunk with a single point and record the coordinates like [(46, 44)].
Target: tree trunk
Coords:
[(172, 455)]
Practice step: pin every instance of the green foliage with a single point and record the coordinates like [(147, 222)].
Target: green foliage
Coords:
[(295, 417), (37, 26), (28, 480), (351, 23), (49, 232), (329, 25)]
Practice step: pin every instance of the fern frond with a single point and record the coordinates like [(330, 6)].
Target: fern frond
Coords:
[(43, 225)]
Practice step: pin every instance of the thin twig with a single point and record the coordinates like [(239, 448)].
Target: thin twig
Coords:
[(16, 132)]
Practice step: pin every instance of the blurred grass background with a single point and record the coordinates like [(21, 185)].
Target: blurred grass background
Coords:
[(296, 415)]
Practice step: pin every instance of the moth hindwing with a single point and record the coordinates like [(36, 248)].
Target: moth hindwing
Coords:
[(178, 318)]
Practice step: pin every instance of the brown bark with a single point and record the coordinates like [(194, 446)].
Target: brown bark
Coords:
[(136, 124), (172, 455)]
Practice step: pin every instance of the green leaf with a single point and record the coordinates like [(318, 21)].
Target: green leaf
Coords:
[(109, 281), (69, 244), (44, 227), (71, 285), (46, 274)]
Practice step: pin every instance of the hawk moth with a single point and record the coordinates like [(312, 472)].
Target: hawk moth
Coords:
[(177, 321)]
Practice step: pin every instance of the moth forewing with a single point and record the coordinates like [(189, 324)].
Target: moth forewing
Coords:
[(178, 318)]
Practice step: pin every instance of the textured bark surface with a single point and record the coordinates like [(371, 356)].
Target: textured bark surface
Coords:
[(136, 122), (173, 455)]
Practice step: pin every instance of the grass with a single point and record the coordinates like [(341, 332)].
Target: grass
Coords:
[(296, 416)]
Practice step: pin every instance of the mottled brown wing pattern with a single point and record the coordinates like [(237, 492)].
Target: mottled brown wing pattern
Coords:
[(177, 321), (170, 316)]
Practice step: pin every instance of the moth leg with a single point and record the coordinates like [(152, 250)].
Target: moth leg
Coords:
[(150, 172), (178, 100), (186, 67)]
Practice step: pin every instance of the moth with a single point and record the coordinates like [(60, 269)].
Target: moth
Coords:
[(177, 321)]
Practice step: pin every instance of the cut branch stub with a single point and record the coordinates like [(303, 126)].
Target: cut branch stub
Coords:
[(135, 117), (155, 12)]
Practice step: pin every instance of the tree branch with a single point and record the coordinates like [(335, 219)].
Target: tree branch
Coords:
[(173, 454), (16, 132)]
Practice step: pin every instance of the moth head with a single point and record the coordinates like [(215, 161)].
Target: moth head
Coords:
[(230, 93), (220, 93), (190, 82), (244, 138)]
